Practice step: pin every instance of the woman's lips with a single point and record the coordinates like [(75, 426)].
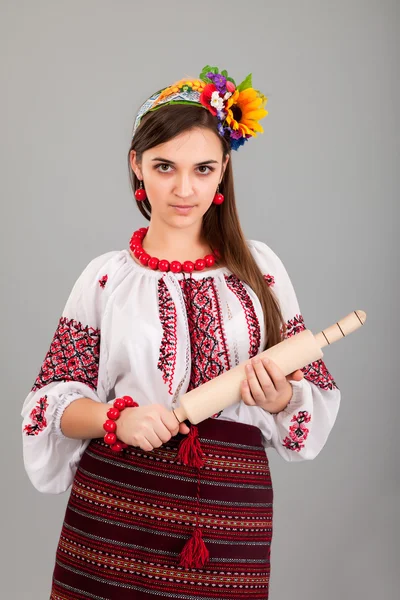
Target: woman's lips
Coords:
[(183, 210)]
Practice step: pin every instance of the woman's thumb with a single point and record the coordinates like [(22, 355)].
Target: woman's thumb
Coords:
[(183, 428)]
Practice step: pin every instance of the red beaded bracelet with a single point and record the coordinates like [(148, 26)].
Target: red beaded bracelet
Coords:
[(110, 425)]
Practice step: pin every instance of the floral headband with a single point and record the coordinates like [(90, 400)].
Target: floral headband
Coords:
[(237, 108)]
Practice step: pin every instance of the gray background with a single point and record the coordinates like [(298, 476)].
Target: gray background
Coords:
[(318, 187)]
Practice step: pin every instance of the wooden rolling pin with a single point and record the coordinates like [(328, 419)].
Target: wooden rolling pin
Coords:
[(291, 354)]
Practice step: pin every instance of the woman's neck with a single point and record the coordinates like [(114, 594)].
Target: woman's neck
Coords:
[(175, 244)]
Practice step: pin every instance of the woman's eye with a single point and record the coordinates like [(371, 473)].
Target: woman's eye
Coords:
[(205, 167), (162, 165)]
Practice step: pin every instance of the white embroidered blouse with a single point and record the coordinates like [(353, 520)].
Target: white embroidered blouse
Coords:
[(128, 330)]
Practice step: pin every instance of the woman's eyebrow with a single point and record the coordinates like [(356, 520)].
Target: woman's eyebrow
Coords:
[(170, 162)]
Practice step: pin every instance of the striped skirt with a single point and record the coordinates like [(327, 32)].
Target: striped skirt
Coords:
[(130, 514)]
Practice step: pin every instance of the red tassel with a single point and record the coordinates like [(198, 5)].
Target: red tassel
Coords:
[(194, 554), (189, 451)]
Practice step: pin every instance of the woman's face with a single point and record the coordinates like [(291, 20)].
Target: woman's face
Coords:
[(183, 172)]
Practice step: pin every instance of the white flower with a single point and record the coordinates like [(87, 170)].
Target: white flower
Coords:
[(227, 95), (217, 101)]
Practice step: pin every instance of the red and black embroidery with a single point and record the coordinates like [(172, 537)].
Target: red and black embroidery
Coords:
[(37, 417), (295, 325), (103, 281), (168, 347), (316, 372), (253, 325), (319, 374), (210, 354), (73, 355), (270, 279), (297, 432)]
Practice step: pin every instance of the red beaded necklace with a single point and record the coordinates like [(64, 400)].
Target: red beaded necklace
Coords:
[(175, 266)]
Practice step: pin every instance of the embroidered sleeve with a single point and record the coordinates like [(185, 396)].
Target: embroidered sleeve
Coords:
[(70, 370), (301, 430)]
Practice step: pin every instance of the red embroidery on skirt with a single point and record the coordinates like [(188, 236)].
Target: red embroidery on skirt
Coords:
[(270, 279), (103, 281), (253, 325), (210, 353), (73, 355), (37, 417), (167, 356), (316, 372), (297, 432), (237, 522)]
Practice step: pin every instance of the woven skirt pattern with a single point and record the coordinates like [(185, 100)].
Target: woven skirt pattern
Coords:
[(130, 514)]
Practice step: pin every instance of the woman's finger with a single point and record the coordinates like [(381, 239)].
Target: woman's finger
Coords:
[(145, 445), (295, 376), (246, 394), (169, 420), (152, 438), (183, 428), (255, 388), (275, 373), (162, 432), (265, 381)]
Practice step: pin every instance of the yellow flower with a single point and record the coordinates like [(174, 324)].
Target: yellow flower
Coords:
[(244, 110)]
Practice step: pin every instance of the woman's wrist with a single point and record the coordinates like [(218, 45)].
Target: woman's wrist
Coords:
[(285, 401), (83, 419)]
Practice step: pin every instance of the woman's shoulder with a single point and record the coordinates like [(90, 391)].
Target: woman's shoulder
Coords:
[(271, 266), (105, 270), (96, 284), (276, 276), (113, 259), (264, 255)]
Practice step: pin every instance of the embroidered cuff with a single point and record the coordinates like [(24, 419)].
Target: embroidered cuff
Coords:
[(294, 420)]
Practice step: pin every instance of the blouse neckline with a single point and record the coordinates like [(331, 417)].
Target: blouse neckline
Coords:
[(195, 275)]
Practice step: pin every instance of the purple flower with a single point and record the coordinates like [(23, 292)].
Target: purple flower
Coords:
[(236, 135), (221, 129), (219, 81)]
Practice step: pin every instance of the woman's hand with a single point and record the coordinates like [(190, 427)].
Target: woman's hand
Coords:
[(148, 427), (266, 385)]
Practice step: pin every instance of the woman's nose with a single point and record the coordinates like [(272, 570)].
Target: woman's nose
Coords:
[(183, 187)]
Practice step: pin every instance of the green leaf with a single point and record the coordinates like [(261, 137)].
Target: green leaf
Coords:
[(205, 79), (207, 69), (232, 80), (246, 83), (224, 73)]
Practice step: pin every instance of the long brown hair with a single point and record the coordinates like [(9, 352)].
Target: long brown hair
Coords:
[(221, 225)]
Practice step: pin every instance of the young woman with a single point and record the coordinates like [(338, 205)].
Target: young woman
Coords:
[(159, 508)]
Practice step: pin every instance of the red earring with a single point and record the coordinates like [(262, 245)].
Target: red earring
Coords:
[(218, 198), (140, 193)]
